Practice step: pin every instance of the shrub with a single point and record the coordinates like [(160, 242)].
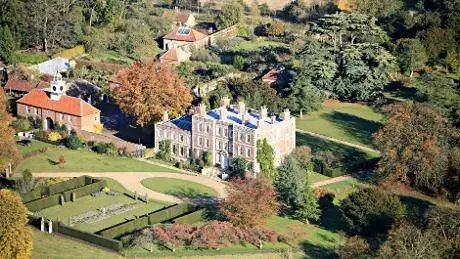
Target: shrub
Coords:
[(165, 150), (73, 142), (207, 158), (239, 62), (355, 248), (26, 183), (61, 160), (98, 128), (105, 148), (21, 125), (370, 211), (54, 136), (35, 123)]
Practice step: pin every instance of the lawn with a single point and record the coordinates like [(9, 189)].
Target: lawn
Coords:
[(350, 122), (352, 159), (85, 161), (179, 188), (343, 189), (258, 43), (108, 56), (314, 177), (35, 146), (57, 246), (90, 203)]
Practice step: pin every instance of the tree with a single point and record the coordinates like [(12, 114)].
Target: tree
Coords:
[(305, 97), (7, 45), (355, 248), (240, 167), (303, 156), (444, 223), (294, 192), (15, 235), (73, 141), (415, 146), (9, 153), (371, 211), (150, 89), (238, 62), (442, 92), (411, 54), (27, 183), (14, 17), (229, 15), (371, 7), (266, 159), (276, 29), (250, 202)]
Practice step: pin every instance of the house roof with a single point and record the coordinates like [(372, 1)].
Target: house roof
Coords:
[(272, 75), (66, 104), (23, 85), (181, 17), (53, 66), (183, 123), (175, 54), (191, 36)]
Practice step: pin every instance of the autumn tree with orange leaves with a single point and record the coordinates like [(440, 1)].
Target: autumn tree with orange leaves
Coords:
[(149, 89), (416, 143), (249, 202), (9, 153)]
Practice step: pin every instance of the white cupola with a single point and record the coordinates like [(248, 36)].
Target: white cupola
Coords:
[(57, 87)]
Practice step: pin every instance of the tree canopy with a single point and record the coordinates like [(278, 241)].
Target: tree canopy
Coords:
[(9, 152), (149, 89)]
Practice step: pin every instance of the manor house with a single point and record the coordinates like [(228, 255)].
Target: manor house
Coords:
[(227, 132)]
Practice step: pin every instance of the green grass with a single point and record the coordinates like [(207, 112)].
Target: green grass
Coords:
[(179, 188), (35, 146), (60, 247), (343, 189), (350, 122), (318, 243), (254, 45), (30, 58), (314, 177), (352, 159), (109, 56), (86, 161)]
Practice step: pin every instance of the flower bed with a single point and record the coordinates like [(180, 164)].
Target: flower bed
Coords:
[(94, 216)]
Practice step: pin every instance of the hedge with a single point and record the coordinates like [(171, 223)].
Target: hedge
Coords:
[(125, 228), (191, 218), (70, 53), (90, 237), (157, 216), (71, 184), (85, 190), (35, 194), (169, 213), (43, 203)]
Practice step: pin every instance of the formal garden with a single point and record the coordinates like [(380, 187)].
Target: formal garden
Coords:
[(179, 188)]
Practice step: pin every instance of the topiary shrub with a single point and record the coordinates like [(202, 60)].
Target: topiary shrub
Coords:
[(73, 141), (371, 211)]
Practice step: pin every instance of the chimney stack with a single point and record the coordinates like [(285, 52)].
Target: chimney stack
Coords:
[(165, 116), (225, 101), (263, 112), (273, 119), (223, 113), (241, 107), (202, 109), (260, 123), (245, 117), (286, 114)]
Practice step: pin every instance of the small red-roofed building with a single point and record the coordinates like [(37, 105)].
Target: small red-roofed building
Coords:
[(53, 107), (175, 56), (184, 35), (19, 88)]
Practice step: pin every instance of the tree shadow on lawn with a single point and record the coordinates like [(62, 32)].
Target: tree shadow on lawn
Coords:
[(52, 162), (189, 193), (353, 160), (332, 217), (359, 129), (316, 251)]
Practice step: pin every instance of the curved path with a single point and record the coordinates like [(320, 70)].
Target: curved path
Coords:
[(364, 148), (132, 182)]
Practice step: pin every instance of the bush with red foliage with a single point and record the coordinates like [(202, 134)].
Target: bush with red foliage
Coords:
[(61, 160), (212, 235)]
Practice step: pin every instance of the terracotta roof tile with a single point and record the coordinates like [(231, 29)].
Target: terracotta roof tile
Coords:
[(66, 104), (170, 55), (193, 36), (22, 85)]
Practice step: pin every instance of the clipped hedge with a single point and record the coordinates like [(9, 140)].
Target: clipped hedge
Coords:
[(71, 53), (43, 203), (125, 228), (85, 190), (191, 218), (157, 216), (35, 194), (71, 184), (169, 213), (90, 237)]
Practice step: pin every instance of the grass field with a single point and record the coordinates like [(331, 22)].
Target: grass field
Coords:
[(89, 203), (254, 45), (35, 146), (60, 247), (350, 122), (85, 161), (314, 177), (179, 188)]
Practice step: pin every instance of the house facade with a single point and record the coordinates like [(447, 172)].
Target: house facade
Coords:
[(53, 108), (227, 132)]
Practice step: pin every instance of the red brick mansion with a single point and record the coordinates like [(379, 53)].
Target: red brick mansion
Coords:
[(227, 132)]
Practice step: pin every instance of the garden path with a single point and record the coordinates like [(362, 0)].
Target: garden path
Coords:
[(132, 182), (367, 149), (331, 181)]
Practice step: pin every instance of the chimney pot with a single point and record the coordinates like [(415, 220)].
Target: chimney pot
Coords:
[(202, 109), (241, 107), (223, 113), (263, 112), (273, 119), (286, 114), (165, 116), (225, 101)]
